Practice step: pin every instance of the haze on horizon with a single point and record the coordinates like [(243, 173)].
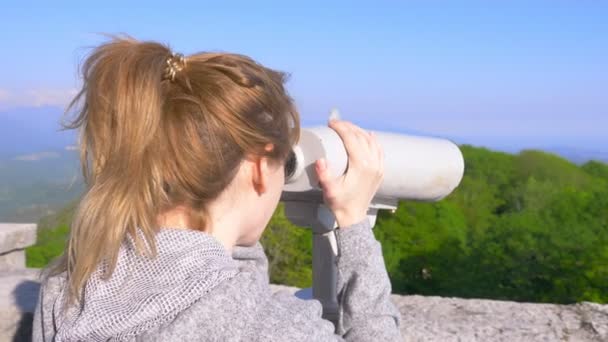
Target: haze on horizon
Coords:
[(505, 75)]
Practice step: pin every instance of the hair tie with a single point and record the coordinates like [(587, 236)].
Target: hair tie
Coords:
[(175, 63)]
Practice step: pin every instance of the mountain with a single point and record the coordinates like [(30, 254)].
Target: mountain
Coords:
[(38, 184), (39, 170), (577, 152), (580, 155), (32, 129)]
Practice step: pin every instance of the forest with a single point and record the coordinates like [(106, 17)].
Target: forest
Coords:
[(527, 227)]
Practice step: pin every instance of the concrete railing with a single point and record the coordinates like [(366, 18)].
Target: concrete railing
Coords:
[(423, 318), (14, 237), (19, 286)]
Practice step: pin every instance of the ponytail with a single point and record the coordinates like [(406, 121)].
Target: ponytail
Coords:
[(158, 130), (119, 119)]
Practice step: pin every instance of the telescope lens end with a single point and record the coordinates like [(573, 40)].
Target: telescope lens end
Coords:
[(290, 166)]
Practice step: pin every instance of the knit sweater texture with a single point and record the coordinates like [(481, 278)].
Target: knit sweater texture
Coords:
[(195, 290)]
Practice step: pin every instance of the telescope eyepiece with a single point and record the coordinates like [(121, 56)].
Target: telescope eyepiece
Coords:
[(290, 165)]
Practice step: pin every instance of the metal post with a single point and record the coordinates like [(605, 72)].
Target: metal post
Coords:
[(314, 214), (325, 274)]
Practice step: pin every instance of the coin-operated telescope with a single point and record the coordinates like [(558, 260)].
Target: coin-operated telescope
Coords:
[(415, 168)]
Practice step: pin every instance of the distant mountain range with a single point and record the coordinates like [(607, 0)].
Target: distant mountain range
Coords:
[(32, 130), (579, 155), (39, 167), (38, 184)]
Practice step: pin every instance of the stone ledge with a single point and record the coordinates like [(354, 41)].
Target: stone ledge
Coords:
[(431, 319), (18, 298), (16, 236), (437, 319)]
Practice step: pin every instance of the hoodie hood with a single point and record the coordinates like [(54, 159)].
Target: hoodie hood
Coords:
[(144, 293)]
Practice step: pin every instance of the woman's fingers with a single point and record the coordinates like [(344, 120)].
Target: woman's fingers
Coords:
[(356, 141), (324, 176), (380, 156), (364, 151), (349, 195), (346, 132)]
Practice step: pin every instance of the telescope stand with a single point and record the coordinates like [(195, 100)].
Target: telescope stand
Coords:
[(324, 263), (324, 249)]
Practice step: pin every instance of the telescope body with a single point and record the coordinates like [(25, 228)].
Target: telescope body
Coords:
[(415, 168)]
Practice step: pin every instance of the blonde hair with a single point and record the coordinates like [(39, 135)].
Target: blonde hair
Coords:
[(159, 130)]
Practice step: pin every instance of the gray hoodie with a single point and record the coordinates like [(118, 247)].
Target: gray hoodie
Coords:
[(195, 291)]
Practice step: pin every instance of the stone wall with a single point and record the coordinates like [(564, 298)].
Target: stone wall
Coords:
[(423, 318), (437, 319), (13, 240), (18, 285)]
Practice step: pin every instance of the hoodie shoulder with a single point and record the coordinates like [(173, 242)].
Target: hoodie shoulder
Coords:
[(141, 294), (43, 325), (245, 309)]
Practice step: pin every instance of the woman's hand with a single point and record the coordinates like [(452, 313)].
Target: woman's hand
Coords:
[(349, 195)]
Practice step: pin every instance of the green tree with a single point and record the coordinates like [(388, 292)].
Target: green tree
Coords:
[(527, 227), (289, 251)]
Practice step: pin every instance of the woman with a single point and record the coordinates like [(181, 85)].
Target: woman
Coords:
[(184, 163)]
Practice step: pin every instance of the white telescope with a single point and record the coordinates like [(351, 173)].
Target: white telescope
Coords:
[(415, 168), (418, 168)]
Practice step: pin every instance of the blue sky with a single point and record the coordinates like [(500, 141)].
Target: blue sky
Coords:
[(504, 74)]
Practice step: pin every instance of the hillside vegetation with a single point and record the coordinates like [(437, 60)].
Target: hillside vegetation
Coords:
[(527, 227), (39, 184)]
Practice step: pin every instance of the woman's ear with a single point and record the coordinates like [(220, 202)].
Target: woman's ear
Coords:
[(259, 174), (261, 171)]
